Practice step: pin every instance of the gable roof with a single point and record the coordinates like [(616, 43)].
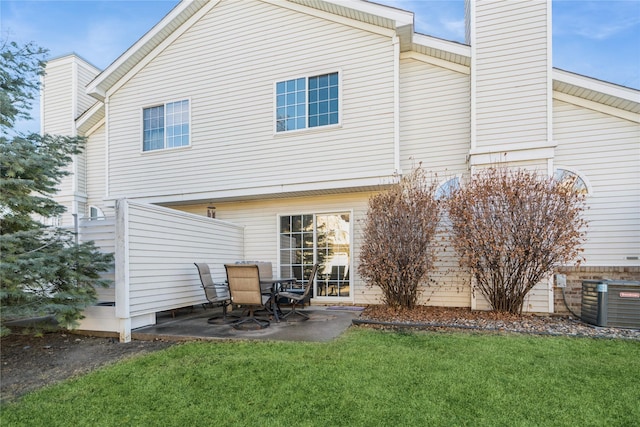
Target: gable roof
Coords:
[(398, 21), (177, 20)]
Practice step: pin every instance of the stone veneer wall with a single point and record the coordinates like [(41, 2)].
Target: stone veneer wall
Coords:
[(575, 276)]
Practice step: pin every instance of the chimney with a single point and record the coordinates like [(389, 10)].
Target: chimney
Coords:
[(511, 87)]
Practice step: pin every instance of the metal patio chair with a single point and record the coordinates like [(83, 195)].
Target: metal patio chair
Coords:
[(216, 294), (244, 286), (298, 298)]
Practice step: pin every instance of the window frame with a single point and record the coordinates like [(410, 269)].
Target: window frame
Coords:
[(164, 137), (315, 248), (307, 128), (99, 213)]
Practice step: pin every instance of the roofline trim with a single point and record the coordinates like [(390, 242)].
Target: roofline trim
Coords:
[(93, 88), (441, 44), (601, 86)]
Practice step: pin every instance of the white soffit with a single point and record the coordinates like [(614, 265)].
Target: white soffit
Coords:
[(91, 117), (364, 11), (597, 91), (443, 49)]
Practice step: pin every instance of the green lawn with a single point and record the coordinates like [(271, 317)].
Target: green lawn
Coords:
[(365, 378)]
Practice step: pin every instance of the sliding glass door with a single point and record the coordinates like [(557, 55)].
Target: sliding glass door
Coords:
[(318, 238)]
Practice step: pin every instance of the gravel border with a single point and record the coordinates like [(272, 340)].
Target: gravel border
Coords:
[(535, 325)]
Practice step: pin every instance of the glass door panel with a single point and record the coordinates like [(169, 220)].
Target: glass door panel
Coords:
[(333, 254), (321, 238)]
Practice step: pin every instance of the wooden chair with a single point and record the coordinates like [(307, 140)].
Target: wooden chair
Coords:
[(297, 298), (215, 294), (244, 286)]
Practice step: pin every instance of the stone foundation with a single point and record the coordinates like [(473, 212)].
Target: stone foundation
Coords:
[(575, 276)]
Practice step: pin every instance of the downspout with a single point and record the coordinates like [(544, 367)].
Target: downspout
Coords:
[(472, 76), (550, 167), (74, 133), (396, 105), (470, 9), (106, 147)]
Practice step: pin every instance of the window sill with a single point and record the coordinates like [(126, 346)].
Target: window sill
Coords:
[(316, 129), (165, 150)]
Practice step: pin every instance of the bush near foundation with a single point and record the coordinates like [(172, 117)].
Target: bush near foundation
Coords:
[(511, 227), (397, 253)]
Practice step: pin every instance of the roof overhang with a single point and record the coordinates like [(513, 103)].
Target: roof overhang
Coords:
[(590, 92), (91, 118)]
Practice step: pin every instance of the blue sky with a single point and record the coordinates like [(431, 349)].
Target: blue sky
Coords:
[(600, 38)]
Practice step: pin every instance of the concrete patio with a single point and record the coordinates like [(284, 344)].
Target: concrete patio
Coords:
[(325, 323)]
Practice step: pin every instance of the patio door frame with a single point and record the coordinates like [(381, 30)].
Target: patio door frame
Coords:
[(315, 214)]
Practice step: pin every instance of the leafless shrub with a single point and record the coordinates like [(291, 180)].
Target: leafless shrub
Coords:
[(510, 227), (397, 253)]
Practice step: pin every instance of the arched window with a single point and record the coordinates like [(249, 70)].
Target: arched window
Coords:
[(95, 213), (569, 177), (446, 188)]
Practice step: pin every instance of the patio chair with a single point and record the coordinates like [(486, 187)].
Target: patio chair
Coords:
[(244, 286), (215, 294), (297, 298)]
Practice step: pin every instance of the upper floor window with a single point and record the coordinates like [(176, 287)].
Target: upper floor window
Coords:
[(165, 126), (307, 102)]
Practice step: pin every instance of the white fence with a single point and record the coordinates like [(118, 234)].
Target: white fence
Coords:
[(155, 250)]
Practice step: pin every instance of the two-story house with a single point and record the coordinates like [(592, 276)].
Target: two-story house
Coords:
[(283, 117)]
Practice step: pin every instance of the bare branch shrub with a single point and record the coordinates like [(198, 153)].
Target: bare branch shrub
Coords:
[(398, 251), (511, 227)]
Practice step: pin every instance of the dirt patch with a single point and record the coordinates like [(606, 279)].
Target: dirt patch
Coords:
[(30, 362)]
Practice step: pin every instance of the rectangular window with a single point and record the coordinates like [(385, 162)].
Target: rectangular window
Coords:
[(165, 126), (307, 102)]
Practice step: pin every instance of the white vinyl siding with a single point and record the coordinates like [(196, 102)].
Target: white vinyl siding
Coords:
[(228, 72), (261, 225), (95, 152), (63, 100), (85, 73), (435, 130), (58, 112), (606, 151), (511, 68), (102, 234), (162, 246), (434, 118)]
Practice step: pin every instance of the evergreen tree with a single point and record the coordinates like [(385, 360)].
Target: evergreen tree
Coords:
[(42, 270)]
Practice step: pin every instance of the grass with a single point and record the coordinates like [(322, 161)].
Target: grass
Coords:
[(365, 378)]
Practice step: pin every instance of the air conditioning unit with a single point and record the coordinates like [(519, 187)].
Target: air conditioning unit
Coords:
[(614, 303)]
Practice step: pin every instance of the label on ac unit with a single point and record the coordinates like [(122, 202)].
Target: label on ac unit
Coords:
[(630, 295), (602, 287)]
